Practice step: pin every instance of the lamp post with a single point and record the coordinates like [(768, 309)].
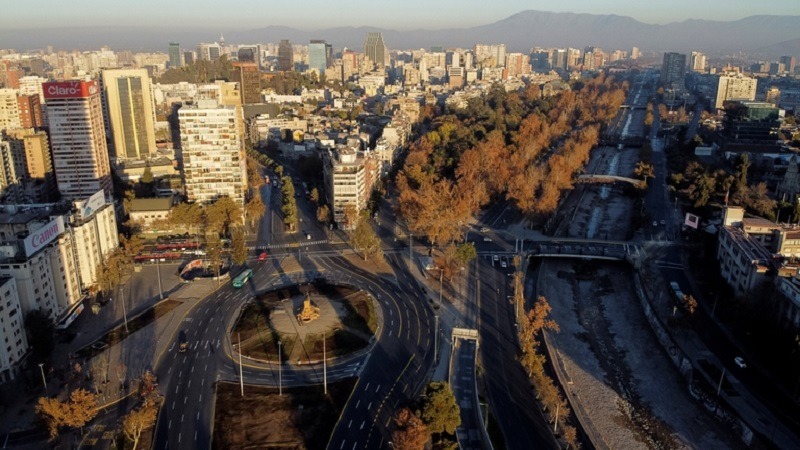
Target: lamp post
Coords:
[(241, 378), (158, 272), (280, 371), (124, 311), (324, 366), (44, 380)]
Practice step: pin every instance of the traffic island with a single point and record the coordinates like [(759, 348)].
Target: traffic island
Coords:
[(305, 323), (301, 418)]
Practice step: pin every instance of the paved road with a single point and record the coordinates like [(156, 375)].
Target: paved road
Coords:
[(462, 380)]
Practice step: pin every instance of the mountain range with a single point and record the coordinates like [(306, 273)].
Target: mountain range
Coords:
[(768, 35)]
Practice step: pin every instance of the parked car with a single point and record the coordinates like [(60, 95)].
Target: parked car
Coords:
[(485, 229), (740, 362), (503, 264), (487, 239), (496, 258)]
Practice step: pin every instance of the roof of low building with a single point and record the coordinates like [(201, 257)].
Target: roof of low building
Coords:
[(151, 204)]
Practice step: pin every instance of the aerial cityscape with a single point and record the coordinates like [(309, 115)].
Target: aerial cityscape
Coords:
[(404, 226)]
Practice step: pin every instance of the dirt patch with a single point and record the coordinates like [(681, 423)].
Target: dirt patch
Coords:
[(302, 418)]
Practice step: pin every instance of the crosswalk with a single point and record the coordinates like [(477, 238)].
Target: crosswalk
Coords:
[(289, 245)]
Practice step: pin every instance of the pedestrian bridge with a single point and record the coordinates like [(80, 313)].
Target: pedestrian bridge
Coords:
[(584, 249), (603, 178)]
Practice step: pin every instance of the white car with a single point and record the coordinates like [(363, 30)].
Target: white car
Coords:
[(496, 258), (503, 264), (487, 239), (740, 362), (655, 223)]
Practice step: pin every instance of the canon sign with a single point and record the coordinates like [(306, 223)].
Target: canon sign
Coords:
[(43, 236), (70, 89)]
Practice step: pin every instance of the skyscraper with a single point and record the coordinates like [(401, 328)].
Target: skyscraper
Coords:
[(213, 160), (9, 109), (788, 63), (174, 55), (249, 78), (318, 56), (77, 138), (30, 111), (285, 56), (672, 69), (130, 112), (697, 62), (375, 49)]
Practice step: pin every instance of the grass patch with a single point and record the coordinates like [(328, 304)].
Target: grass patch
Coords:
[(303, 418)]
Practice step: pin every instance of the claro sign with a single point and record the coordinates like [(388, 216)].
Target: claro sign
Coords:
[(43, 236), (70, 89)]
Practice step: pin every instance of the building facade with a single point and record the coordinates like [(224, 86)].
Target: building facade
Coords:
[(375, 49), (213, 159), (77, 138), (13, 340), (175, 59), (672, 69), (249, 79), (285, 55), (734, 87), (130, 113), (349, 176)]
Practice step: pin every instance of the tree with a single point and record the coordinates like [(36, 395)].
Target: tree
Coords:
[(147, 181), (314, 195), (41, 332), (289, 208), (410, 433), (146, 386), (238, 246), (741, 173), (221, 214), (365, 239), (254, 209), (465, 253), (796, 210), (79, 409), (138, 420), (323, 214), (644, 170), (350, 216), (440, 412), (214, 254), (690, 304)]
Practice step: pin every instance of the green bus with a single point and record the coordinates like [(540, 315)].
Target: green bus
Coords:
[(242, 278)]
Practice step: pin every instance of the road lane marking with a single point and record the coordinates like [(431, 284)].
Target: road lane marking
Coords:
[(179, 438), (369, 406), (195, 435), (169, 425), (176, 389), (362, 425), (189, 384), (376, 389), (358, 403), (181, 418), (340, 447), (198, 415), (201, 398), (184, 400)]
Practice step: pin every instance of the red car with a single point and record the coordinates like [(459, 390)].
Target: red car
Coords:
[(262, 256)]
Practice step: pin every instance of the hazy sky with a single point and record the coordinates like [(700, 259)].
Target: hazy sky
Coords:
[(396, 14)]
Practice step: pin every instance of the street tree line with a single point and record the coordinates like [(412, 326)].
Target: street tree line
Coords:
[(517, 146), (434, 418)]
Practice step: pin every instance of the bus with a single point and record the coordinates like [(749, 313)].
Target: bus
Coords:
[(242, 278)]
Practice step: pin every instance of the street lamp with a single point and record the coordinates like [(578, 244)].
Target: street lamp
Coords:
[(124, 311), (44, 380), (280, 371)]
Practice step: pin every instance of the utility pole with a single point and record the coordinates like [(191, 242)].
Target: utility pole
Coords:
[(436, 338), (124, 311), (441, 275), (721, 377), (555, 422), (280, 371), (410, 247), (44, 380), (241, 379), (324, 366)]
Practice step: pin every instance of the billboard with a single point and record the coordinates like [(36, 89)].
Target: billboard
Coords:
[(70, 89), (43, 236), (88, 207), (691, 220)]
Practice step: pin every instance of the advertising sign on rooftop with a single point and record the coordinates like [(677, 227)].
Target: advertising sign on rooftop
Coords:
[(91, 205), (70, 89), (43, 236)]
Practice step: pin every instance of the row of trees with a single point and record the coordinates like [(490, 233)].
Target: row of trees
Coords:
[(200, 71), (435, 419), (533, 325), (515, 145)]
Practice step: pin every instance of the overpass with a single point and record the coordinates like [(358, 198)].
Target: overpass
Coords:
[(471, 433), (585, 249)]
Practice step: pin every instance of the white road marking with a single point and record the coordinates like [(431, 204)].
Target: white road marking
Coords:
[(358, 403), (362, 425), (169, 425), (351, 422)]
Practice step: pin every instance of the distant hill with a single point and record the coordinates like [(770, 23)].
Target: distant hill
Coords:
[(773, 35)]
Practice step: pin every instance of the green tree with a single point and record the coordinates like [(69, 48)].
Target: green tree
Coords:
[(439, 411), (365, 239), (314, 195), (465, 253), (644, 170), (238, 246), (221, 214), (214, 253), (41, 332), (323, 214), (741, 173), (289, 208)]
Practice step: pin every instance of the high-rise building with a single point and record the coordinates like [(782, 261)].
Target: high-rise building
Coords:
[(188, 57), (174, 55), (208, 52), (12, 332), (318, 58), (130, 112), (285, 55), (9, 182), (672, 69), (33, 162), (697, 62), (349, 177), (375, 49), (77, 138), (490, 55), (788, 63), (734, 86), (249, 78), (517, 65), (248, 54), (213, 160), (9, 109), (30, 111), (635, 53)]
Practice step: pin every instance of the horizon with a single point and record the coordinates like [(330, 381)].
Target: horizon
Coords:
[(446, 14)]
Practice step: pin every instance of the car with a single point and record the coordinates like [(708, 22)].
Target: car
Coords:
[(487, 239), (663, 222), (740, 362), (308, 236), (485, 229), (503, 264), (496, 258), (655, 223)]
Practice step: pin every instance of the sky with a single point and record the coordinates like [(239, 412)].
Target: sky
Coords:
[(389, 14)]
